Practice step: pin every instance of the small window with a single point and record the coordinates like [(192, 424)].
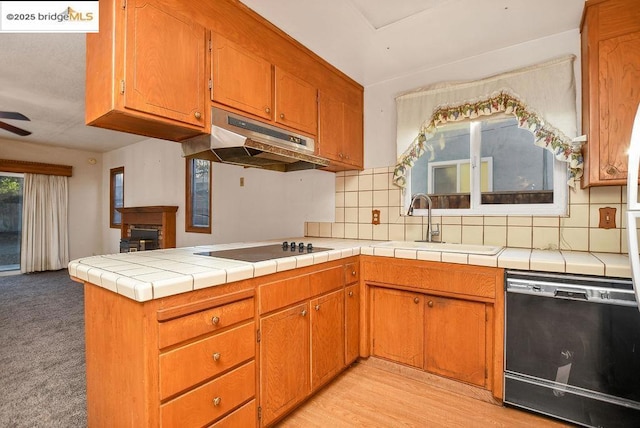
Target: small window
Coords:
[(489, 166), (198, 194), (116, 197)]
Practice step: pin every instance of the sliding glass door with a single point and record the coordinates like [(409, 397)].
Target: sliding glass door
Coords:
[(10, 220)]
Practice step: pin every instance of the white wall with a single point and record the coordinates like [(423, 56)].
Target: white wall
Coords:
[(86, 213), (270, 205), (379, 99)]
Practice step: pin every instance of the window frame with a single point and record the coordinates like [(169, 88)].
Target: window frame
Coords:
[(189, 227), (559, 206), (113, 172)]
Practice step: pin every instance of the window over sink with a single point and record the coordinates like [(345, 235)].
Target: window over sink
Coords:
[(489, 166)]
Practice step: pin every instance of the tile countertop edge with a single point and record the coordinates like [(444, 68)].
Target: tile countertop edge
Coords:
[(129, 268)]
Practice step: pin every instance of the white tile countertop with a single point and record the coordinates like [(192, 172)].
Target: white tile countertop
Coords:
[(147, 275)]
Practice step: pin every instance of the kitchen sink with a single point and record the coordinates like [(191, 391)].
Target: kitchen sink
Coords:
[(488, 250)]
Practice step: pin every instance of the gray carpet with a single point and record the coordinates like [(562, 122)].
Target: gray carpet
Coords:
[(42, 364)]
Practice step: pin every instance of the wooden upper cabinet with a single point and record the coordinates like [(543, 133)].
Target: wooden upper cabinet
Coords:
[(340, 133), (611, 87), (296, 102), (240, 79), (146, 72)]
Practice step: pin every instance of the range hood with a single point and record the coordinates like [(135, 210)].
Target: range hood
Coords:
[(242, 141)]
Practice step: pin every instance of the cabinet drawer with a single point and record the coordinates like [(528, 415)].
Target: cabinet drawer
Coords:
[(351, 273), (245, 416), (212, 400), (190, 326), (279, 294), (186, 366), (326, 280)]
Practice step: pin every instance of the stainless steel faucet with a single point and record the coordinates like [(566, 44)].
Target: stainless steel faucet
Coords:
[(431, 231)]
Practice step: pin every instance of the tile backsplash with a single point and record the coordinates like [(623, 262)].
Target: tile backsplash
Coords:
[(358, 193)]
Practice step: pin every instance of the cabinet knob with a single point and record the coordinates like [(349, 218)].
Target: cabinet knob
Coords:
[(430, 303), (416, 300), (281, 115), (317, 307), (340, 155), (303, 313), (267, 110), (353, 272), (216, 401), (612, 170), (215, 320), (216, 356), (350, 293), (197, 115)]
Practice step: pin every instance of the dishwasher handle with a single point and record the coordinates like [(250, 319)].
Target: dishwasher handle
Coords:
[(575, 294)]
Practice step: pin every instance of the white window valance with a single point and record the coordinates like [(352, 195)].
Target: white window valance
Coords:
[(542, 97)]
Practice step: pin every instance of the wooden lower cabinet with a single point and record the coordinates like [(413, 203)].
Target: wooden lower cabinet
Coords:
[(302, 334), (284, 361), (397, 325), (455, 339), (327, 337), (352, 323), (443, 318)]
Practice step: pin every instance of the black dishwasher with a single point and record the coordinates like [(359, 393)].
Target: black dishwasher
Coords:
[(572, 348)]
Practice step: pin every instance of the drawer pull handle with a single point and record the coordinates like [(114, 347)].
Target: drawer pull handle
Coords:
[(281, 115), (317, 307), (216, 356), (303, 313), (216, 401), (197, 115), (430, 304), (353, 272), (267, 110), (350, 293), (416, 300), (215, 320)]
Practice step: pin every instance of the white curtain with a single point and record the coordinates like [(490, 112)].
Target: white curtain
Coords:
[(45, 242), (542, 97)]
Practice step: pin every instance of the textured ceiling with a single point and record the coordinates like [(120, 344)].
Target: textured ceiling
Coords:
[(42, 75)]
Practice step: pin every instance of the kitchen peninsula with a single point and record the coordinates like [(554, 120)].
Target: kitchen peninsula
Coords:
[(175, 336)]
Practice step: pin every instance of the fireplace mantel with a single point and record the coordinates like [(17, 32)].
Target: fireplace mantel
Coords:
[(162, 217)]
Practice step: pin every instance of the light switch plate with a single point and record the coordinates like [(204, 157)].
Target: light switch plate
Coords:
[(607, 218)]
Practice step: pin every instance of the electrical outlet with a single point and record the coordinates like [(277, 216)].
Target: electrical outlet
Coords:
[(607, 218), (375, 217)]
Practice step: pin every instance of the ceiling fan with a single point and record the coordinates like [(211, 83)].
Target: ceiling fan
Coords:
[(11, 128)]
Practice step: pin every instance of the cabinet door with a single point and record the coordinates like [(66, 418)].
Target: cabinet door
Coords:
[(296, 103), (284, 361), (353, 136), (164, 64), (398, 326), (619, 65), (240, 79), (327, 337), (455, 344), (352, 323), (330, 127)]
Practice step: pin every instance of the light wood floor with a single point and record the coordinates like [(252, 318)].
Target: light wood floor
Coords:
[(368, 395)]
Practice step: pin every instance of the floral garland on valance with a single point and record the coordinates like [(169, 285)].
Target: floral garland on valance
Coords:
[(546, 136)]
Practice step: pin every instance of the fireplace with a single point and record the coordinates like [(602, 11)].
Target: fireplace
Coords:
[(148, 228), (140, 240)]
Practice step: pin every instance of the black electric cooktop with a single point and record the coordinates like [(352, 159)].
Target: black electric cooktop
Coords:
[(265, 252)]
